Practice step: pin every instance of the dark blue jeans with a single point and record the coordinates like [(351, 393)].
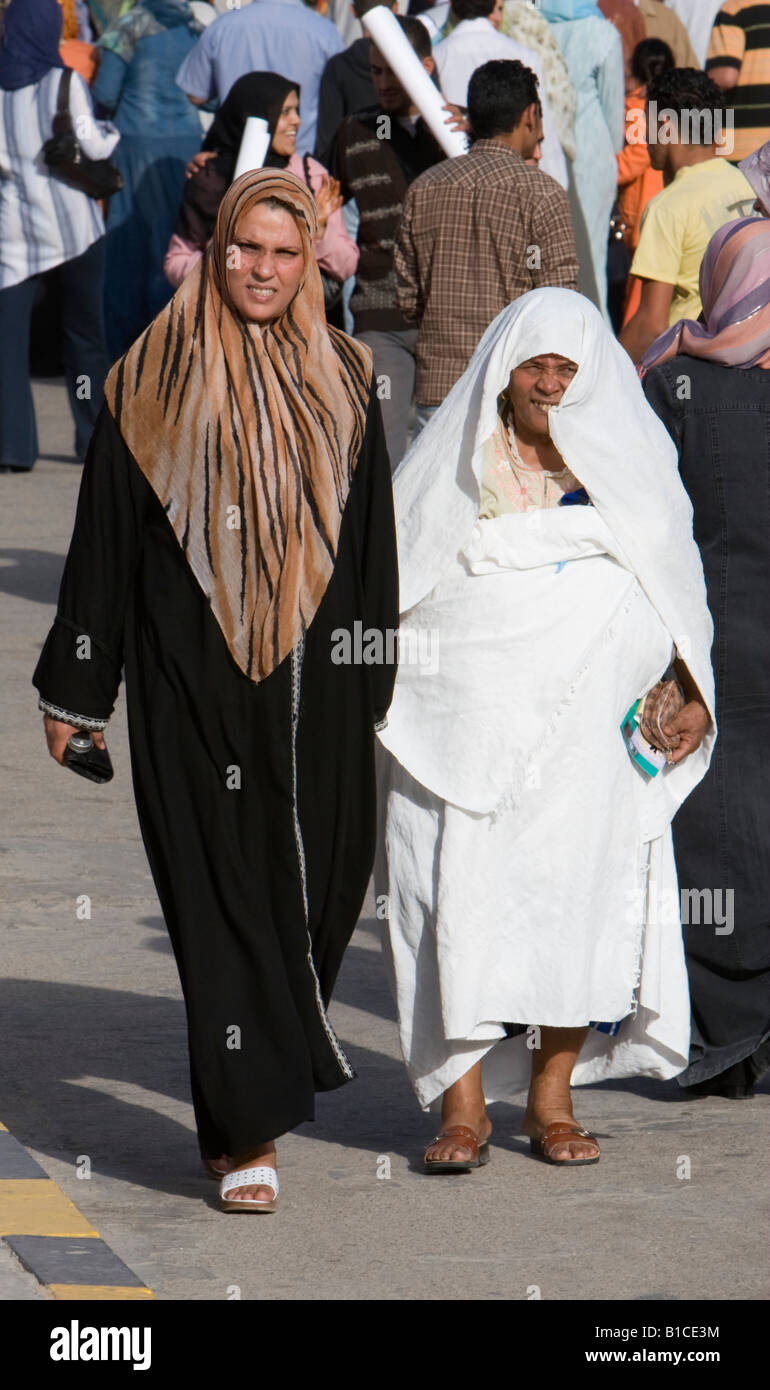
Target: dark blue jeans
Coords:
[(83, 348)]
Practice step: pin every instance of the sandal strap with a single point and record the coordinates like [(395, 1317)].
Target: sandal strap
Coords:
[(249, 1177), (461, 1132), (560, 1133)]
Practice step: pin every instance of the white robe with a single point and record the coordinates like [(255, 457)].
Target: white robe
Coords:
[(531, 910), (527, 861)]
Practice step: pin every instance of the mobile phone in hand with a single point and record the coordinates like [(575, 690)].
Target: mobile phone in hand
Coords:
[(83, 757)]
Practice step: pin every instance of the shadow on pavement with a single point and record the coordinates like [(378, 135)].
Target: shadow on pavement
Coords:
[(31, 574), (56, 1035), (161, 942)]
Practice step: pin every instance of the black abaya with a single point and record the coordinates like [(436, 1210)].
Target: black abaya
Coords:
[(256, 801), (719, 418)]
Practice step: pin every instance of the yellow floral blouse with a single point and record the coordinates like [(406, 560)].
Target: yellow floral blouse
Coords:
[(510, 485)]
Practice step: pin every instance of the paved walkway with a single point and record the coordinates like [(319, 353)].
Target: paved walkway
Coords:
[(93, 1072)]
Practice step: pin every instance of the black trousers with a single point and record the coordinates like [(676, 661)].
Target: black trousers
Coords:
[(86, 362)]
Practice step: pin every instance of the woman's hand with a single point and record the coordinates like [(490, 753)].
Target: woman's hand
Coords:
[(687, 729), (661, 704), (198, 162), (328, 200), (58, 736)]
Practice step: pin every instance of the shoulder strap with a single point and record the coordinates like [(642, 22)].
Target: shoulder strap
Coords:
[(63, 100)]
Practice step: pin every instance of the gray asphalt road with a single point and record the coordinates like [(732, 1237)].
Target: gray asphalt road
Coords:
[(93, 1064)]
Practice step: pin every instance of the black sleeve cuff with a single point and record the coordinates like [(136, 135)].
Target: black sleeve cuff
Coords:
[(76, 673)]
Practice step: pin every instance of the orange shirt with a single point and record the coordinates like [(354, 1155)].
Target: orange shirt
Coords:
[(81, 57), (637, 180)]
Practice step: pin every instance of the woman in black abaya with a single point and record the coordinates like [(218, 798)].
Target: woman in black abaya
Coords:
[(235, 514)]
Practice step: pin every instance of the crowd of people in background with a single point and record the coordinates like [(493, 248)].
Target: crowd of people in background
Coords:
[(167, 79), (619, 148)]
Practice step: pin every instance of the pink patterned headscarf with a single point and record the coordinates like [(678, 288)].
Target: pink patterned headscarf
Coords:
[(735, 292), (756, 167)]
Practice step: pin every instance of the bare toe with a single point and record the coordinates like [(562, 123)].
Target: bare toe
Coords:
[(251, 1194)]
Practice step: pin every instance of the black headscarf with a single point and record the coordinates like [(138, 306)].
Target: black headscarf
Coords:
[(257, 94)]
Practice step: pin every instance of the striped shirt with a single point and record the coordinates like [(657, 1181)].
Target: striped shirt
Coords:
[(375, 158), (740, 40), (43, 222)]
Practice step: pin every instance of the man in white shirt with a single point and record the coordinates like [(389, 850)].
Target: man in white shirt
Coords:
[(476, 41)]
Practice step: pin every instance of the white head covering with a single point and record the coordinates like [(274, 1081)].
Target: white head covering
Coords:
[(609, 438)]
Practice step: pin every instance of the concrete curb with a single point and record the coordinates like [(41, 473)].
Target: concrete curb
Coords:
[(51, 1237)]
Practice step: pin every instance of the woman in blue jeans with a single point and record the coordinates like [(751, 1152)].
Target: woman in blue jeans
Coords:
[(45, 224)]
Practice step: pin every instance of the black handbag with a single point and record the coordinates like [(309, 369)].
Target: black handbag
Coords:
[(618, 255), (618, 269), (65, 159)]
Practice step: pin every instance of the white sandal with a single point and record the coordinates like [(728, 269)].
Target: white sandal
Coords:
[(248, 1177)]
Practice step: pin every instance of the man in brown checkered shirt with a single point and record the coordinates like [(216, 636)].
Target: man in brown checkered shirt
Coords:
[(480, 230)]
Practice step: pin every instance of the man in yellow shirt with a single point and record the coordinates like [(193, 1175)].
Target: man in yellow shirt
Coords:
[(701, 191)]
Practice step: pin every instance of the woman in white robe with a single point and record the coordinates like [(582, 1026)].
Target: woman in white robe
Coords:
[(527, 858)]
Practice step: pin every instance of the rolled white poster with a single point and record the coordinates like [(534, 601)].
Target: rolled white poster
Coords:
[(255, 143), (385, 31)]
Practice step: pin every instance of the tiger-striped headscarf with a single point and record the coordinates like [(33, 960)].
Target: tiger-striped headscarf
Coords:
[(249, 435)]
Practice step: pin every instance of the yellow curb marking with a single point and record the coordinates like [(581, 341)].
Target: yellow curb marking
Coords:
[(99, 1292), (38, 1207)]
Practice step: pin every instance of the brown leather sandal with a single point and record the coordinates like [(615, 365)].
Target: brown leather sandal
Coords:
[(560, 1133), (466, 1140)]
